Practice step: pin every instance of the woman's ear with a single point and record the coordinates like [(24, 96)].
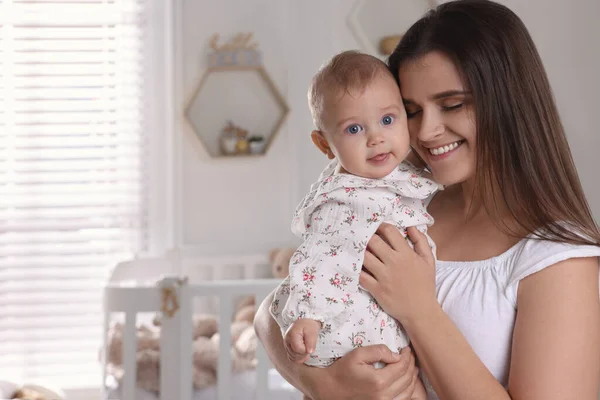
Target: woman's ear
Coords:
[(319, 140)]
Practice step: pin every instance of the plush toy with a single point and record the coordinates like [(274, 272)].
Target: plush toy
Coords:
[(245, 310), (12, 390), (205, 325), (205, 346), (279, 259), (147, 339), (205, 336), (29, 394)]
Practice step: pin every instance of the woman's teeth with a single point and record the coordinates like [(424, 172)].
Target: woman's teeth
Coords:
[(444, 149)]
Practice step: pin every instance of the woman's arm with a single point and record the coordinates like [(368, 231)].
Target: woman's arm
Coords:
[(269, 334), (556, 341), (451, 365), (403, 282), (351, 377)]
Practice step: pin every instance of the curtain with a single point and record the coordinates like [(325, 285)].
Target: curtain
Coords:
[(73, 182)]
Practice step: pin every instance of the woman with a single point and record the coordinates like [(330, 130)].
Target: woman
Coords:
[(510, 309)]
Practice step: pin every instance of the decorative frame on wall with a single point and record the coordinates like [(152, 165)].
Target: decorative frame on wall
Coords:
[(233, 68), (388, 41)]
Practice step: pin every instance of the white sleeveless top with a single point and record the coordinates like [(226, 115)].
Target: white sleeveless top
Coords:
[(480, 297)]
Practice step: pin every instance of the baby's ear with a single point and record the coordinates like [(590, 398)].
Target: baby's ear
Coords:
[(319, 140)]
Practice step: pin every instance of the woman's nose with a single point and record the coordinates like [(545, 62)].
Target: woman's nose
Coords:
[(431, 127)]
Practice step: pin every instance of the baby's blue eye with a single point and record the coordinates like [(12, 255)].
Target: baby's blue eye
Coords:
[(387, 120), (354, 129)]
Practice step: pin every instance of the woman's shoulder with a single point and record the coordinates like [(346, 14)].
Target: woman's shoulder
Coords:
[(536, 251), (533, 254)]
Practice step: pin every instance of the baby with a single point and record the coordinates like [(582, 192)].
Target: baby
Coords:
[(361, 126)]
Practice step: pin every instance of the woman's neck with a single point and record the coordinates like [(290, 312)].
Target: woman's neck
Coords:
[(465, 230), (469, 204), (476, 205)]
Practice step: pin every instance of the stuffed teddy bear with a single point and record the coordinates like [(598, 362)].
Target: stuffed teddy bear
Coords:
[(279, 259), (13, 390), (205, 337), (205, 346), (29, 394)]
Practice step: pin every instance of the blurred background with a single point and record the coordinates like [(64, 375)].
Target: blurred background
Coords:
[(123, 132)]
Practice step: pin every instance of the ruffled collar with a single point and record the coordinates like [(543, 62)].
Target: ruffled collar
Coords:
[(405, 180)]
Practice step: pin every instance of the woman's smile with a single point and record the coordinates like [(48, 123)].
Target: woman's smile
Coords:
[(442, 152)]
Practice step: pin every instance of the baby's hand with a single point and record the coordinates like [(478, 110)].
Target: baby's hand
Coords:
[(301, 339)]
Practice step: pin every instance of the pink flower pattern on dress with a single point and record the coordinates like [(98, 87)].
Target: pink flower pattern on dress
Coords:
[(347, 300), (309, 276), (298, 257), (351, 192), (357, 339), (335, 220), (374, 307), (350, 217), (340, 281)]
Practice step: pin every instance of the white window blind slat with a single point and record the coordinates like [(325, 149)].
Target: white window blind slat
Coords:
[(50, 347), (63, 334), (104, 238), (66, 130), (73, 176)]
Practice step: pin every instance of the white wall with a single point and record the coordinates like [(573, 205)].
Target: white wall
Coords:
[(240, 205), (567, 35)]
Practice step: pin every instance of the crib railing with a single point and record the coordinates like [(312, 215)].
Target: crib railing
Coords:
[(176, 333)]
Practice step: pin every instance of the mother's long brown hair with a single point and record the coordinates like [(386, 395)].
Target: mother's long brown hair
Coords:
[(523, 159)]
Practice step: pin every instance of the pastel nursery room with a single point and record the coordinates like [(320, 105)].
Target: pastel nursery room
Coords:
[(158, 159)]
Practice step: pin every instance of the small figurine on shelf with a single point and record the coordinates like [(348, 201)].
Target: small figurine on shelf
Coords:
[(257, 144), (228, 139), (234, 139), (242, 145)]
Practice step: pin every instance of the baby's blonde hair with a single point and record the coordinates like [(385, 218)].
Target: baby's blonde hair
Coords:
[(346, 71)]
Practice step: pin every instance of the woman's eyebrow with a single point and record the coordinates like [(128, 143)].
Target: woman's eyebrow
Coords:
[(449, 93), (441, 95)]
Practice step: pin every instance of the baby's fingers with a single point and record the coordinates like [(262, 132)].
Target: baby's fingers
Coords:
[(311, 334), (293, 356), (297, 343), (297, 358)]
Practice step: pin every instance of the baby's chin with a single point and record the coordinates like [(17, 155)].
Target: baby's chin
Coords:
[(372, 173)]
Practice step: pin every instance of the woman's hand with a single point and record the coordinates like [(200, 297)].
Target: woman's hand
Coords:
[(354, 377), (401, 279), (351, 377)]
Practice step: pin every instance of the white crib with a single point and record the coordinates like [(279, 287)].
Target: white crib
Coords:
[(223, 279)]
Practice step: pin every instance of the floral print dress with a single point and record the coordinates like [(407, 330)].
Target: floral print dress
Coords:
[(336, 219)]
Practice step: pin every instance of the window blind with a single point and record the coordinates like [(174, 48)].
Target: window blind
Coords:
[(73, 113)]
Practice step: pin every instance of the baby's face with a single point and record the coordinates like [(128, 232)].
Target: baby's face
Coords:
[(367, 131)]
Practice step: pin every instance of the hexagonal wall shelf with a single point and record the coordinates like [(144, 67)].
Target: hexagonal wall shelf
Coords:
[(236, 109), (380, 23)]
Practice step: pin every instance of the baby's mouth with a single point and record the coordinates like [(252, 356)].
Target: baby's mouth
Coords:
[(380, 157)]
